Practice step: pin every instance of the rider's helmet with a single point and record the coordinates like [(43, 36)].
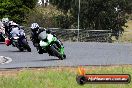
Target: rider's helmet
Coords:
[(12, 24), (5, 20), (34, 27)]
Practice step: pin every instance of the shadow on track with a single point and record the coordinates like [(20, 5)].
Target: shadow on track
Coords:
[(2, 42), (46, 60), (16, 51)]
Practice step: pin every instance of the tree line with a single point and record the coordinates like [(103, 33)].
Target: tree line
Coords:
[(94, 14), (16, 9)]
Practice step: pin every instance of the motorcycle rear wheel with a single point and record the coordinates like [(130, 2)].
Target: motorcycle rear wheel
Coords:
[(26, 46), (21, 49)]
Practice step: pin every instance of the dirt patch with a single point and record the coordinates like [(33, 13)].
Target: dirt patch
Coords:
[(74, 70), (9, 73)]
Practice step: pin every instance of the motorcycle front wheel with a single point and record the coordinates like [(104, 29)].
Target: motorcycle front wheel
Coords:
[(56, 53)]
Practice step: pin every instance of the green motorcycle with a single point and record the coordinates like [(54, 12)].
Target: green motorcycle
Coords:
[(49, 43)]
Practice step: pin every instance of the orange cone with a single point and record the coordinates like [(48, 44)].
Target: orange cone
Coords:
[(81, 71)]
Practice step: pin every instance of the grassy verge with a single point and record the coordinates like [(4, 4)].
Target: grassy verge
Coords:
[(59, 77)]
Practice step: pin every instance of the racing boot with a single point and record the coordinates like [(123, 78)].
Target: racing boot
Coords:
[(41, 51)]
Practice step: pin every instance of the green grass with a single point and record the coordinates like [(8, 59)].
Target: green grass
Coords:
[(59, 77)]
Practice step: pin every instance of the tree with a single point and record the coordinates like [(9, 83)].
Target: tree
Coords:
[(29, 3), (16, 9), (97, 14)]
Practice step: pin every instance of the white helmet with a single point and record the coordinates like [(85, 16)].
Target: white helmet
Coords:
[(5, 20), (34, 26), (11, 23)]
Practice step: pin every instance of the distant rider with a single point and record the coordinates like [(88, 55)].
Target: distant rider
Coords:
[(5, 22), (12, 28), (8, 26), (2, 29)]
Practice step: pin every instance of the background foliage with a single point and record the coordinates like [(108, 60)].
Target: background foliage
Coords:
[(94, 14), (16, 9), (45, 17), (97, 14)]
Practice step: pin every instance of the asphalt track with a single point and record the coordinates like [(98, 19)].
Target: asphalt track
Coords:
[(78, 53)]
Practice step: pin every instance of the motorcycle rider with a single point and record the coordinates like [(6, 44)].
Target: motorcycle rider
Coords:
[(2, 31), (5, 22), (7, 25), (34, 33), (13, 28), (34, 37), (2, 27)]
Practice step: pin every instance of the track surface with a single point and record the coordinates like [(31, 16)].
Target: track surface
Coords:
[(77, 54)]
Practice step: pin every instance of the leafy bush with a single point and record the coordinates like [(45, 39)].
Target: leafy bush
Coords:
[(48, 17), (97, 14), (16, 9)]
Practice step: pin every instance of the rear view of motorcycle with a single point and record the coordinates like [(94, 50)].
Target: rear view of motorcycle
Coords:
[(19, 40), (52, 45)]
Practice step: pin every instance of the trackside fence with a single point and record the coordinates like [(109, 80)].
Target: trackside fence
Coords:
[(71, 35)]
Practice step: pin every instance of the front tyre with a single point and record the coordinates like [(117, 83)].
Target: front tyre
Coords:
[(56, 53), (64, 56)]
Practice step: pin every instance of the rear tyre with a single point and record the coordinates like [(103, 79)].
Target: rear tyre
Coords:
[(40, 51), (26, 46), (64, 56), (20, 49)]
